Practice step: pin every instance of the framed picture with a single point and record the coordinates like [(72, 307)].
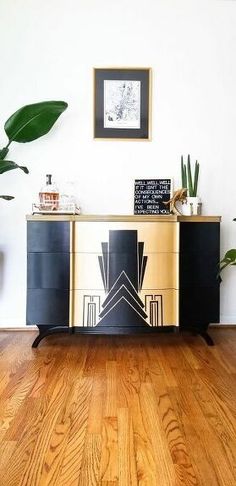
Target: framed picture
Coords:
[(122, 103)]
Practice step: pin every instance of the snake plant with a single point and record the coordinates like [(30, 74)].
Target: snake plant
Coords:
[(25, 125), (188, 181)]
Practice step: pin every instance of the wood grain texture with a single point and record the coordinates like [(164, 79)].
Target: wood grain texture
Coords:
[(121, 217), (118, 410)]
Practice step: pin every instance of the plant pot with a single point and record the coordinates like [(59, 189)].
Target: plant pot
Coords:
[(191, 207)]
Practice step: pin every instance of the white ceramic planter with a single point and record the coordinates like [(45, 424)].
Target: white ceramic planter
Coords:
[(191, 207)]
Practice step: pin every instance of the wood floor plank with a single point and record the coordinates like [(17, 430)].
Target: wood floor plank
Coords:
[(73, 455), (32, 474), (35, 436), (181, 457), (201, 457), (111, 389), (98, 397), (12, 400), (109, 455), (162, 352), (143, 449), (55, 451), (118, 410), (126, 452), (203, 429), (7, 450), (164, 468), (89, 473)]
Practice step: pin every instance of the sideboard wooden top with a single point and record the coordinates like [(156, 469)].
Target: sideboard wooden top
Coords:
[(123, 217)]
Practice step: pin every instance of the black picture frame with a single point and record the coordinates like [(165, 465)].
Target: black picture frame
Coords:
[(122, 103)]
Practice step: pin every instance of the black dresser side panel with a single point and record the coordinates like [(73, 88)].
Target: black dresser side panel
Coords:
[(199, 237), (48, 307), (48, 236), (48, 268), (199, 285), (199, 306)]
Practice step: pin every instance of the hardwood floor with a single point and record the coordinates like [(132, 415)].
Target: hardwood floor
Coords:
[(118, 411)]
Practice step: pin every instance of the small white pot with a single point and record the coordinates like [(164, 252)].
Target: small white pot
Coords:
[(191, 207)]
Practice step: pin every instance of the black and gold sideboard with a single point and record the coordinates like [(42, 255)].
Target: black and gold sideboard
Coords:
[(122, 274)]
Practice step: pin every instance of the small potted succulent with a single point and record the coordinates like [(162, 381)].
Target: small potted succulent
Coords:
[(190, 182)]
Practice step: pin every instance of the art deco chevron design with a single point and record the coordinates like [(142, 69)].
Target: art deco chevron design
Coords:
[(122, 266)]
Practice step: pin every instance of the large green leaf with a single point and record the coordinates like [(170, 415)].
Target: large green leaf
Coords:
[(230, 256), (8, 198), (6, 165), (33, 121), (3, 153), (228, 259)]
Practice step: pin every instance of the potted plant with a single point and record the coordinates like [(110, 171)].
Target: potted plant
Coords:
[(25, 125), (229, 258), (190, 182)]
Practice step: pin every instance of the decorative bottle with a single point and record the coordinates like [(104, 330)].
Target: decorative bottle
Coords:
[(49, 195)]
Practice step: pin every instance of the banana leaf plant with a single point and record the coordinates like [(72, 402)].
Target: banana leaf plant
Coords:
[(25, 125), (229, 258)]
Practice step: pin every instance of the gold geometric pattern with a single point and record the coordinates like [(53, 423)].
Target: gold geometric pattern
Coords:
[(160, 284), (161, 271)]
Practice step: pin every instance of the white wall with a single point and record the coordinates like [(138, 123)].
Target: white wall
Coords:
[(48, 50)]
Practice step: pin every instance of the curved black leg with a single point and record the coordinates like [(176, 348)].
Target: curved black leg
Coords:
[(207, 338), (47, 332), (176, 329), (201, 330)]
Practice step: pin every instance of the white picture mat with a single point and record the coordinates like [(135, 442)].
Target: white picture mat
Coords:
[(122, 104)]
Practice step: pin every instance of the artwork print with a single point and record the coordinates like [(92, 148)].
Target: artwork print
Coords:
[(122, 104)]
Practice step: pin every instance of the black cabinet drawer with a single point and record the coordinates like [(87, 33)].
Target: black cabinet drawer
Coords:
[(48, 236), (199, 270), (47, 307), (199, 238), (198, 305), (48, 270)]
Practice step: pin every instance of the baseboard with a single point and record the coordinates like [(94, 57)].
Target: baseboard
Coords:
[(15, 324), (222, 326), (18, 325), (22, 328), (35, 328), (227, 319)]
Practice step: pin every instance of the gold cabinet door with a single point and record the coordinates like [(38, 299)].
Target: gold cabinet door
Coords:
[(160, 307), (125, 274), (157, 237), (161, 271)]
